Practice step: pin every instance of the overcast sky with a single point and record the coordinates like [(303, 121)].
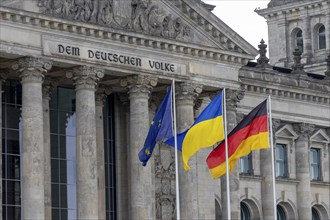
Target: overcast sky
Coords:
[(240, 16)]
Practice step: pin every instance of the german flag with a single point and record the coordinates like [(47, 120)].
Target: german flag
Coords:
[(250, 134)]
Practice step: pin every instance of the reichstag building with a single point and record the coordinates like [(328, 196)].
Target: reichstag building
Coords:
[(82, 79)]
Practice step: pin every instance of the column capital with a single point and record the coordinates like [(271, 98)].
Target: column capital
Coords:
[(233, 96), (188, 91), (102, 91), (139, 84), (3, 75), (304, 130), (49, 84), (85, 77), (32, 69)]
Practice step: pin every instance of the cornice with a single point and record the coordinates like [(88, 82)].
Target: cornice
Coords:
[(274, 12), (108, 34)]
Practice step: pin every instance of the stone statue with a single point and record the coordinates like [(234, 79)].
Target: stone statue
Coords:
[(140, 15)]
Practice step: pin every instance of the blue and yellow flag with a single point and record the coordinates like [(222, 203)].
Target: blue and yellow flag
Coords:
[(160, 128), (205, 132)]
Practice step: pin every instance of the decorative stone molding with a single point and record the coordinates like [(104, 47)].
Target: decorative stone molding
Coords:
[(32, 69), (233, 97), (102, 91), (297, 67), (287, 94), (49, 84), (85, 30), (276, 123), (139, 84), (85, 77), (143, 16), (327, 73), (304, 130), (263, 59), (3, 75), (188, 91)]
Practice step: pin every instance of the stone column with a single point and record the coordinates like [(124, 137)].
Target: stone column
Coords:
[(185, 96), (3, 76), (85, 79), (304, 200), (307, 39), (267, 183), (47, 88), (100, 97), (32, 72), (232, 98), (141, 186)]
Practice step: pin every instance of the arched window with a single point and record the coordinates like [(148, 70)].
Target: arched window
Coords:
[(245, 212), (315, 214), (299, 40), (321, 37), (280, 213)]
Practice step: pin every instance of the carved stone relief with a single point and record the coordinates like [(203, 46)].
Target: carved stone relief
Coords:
[(165, 178), (144, 16)]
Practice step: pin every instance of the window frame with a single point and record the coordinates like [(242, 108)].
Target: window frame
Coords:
[(319, 35), (318, 164), (285, 161), (249, 158), (300, 38)]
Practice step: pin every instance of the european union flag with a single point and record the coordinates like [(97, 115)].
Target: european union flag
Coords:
[(160, 128)]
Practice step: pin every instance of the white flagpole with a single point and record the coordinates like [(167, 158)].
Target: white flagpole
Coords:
[(226, 146), (272, 154), (176, 155)]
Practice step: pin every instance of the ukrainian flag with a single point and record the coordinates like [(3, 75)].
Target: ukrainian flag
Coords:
[(205, 132)]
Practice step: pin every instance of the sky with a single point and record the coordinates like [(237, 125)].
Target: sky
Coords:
[(240, 16)]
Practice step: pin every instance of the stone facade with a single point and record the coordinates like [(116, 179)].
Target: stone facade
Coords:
[(133, 50)]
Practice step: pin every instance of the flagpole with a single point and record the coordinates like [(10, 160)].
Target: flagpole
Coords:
[(226, 147), (272, 154), (176, 155)]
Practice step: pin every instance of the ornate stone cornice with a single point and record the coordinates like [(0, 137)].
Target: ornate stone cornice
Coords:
[(85, 77), (49, 84), (101, 94), (139, 84), (188, 91), (304, 130), (32, 69), (107, 34), (233, 97)]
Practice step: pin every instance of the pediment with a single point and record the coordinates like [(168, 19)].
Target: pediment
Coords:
[(179, 20), (286, 132), (320, 136)]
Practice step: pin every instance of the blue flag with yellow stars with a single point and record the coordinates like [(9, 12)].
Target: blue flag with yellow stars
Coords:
[(160, 128)]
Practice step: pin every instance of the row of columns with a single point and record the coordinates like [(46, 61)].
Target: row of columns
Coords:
[(36, 170), (304, 131)]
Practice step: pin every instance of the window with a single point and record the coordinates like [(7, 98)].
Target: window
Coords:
[(281, 160), (63, 153), (299, 42), (321, 37), (109, 158), (315, 161), (315, 214), (280, 213), (245, 212), (11, 150), (246, 164)]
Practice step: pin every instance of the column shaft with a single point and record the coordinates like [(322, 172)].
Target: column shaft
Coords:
[(47, 167), (100, 98), (232, 98), (1, 148), (85, 79), (188, 183), (302, 170), (307, 38), (32, 70), (141, 185)]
